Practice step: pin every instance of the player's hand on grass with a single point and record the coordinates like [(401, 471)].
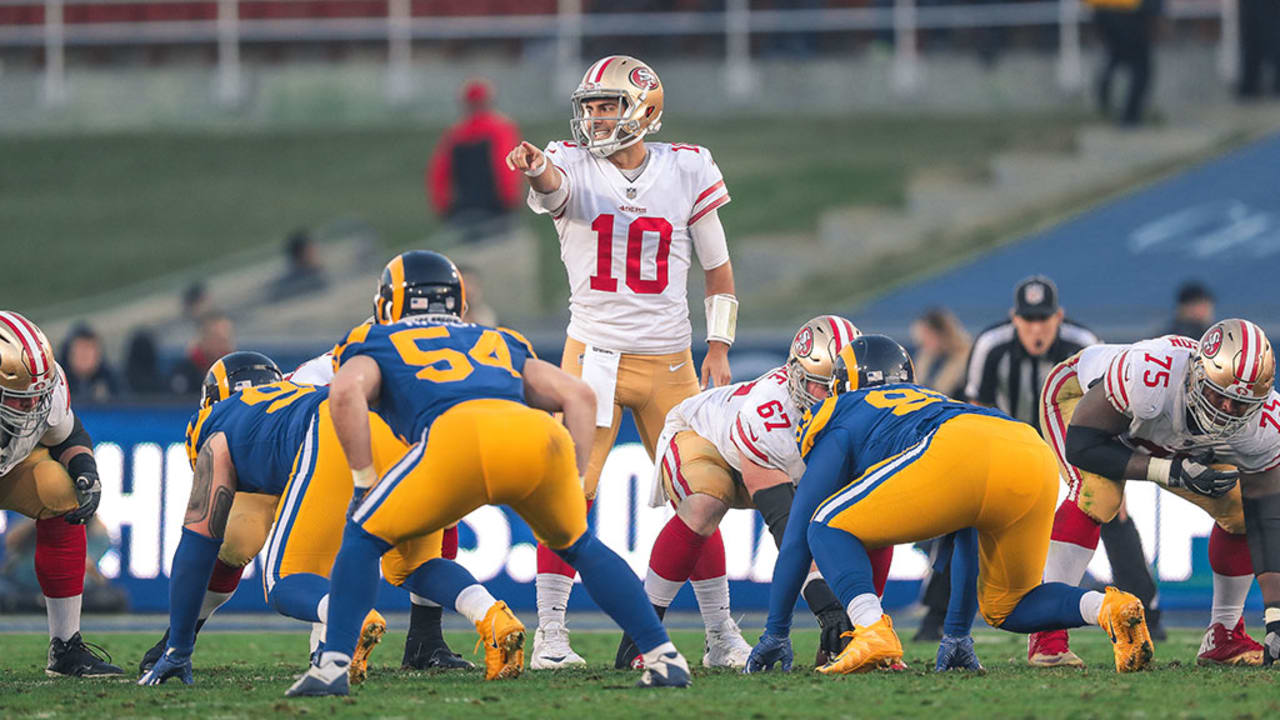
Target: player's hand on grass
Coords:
[(171, 664), (771, 650), (957, 653), (834, 622)]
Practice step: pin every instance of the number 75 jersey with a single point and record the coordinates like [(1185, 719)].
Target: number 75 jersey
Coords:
[(627, 247)]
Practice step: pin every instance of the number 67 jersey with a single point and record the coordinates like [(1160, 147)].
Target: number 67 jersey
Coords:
[(627, 246)]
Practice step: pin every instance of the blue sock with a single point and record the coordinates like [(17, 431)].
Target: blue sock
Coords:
[(353, 587), (440, 581), (1051, 606), (298, 595), (192, 566), (616, 589), (843, 561), (963, 604)]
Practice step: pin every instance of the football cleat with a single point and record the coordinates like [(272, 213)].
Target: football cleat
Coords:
[(502, 635), (424, 656), (870, 647), (551, 648), (1125, 623), (375, 626), (669, 669), (628, 656), (170, 665), (725, 646), (74, 657), (957, 653), (329, 678), (1221, 646), (1050, 649)]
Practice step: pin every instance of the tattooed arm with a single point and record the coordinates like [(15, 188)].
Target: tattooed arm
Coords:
[(213, 487)]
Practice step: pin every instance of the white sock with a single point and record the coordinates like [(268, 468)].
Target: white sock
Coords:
[(1229, 592), (1090, 606), (713, 600), (661, 591), (553, 597), (318, 632), (1066, 562), (322, 608), (417, 599), (213, 601), (653, 655), (329, 671), (64, 616), (473, 603), (864, 609)]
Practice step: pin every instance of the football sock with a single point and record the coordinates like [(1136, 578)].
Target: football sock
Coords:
[(225, 578), (298, 596), (711, 583), (449, 543), (192, 563), (439, 581), (474, 603), (1232, 575), (676, 553), (59, 562), (1050, 606), (212, 601), (661, 591), (354, 584), (419, 601), (1091, 606), (843, 561), (317, 635), (553, 597), (1071, 545), (963, 604), (864, 609), (615, 589), (881, 560), (424, 624)]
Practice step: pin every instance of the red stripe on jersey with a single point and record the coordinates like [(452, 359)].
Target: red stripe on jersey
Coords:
[(37, 358), (1244, 350), (712, 206), (604, 65), (1275, 463), (754, 450), (707, 192)]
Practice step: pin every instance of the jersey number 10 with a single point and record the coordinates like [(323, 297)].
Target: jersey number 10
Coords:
[(604, 280)]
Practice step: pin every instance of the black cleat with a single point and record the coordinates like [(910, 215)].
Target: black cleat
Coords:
[(422, 656), (629, 656), (150, 658), (74, 657)]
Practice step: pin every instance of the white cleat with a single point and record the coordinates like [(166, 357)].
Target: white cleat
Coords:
[(726, 647), (551, 649), (668, 669)]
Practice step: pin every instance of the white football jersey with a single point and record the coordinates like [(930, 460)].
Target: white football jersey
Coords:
[(1147, 381), (753, 420), (316, 371), (57, 426), (626, 244)]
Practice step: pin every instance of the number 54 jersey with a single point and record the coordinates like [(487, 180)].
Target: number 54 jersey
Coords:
[(627, 247)]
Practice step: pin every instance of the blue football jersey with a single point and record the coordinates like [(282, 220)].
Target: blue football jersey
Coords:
[(881, 421), (429, 365), (264, 426)]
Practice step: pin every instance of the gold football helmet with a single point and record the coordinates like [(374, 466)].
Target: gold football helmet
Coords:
[(1231, 376), (813, 355), (28, 375), (638, 91)]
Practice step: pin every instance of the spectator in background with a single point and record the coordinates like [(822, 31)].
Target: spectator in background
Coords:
[(478, 311), (1126, 28), (1259, 47), (216, 338), (1194, 312), (305, 273), (468, 182), (88, 375), (142, 364), (195, 301), (942, 349)]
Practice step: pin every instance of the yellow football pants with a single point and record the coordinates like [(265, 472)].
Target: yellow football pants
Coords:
[(979, 471), (38, 487), (482, 452)]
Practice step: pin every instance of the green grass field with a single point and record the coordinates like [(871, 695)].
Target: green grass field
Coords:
[(244, 674), (93, 213)]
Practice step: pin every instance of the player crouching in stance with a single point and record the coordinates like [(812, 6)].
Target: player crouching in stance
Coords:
[(258, 439), (734, 447), (47, 472), (891, 462), (1166, 410), (474, 397)]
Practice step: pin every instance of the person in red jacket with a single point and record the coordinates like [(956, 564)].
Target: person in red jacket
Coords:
[(468, 182)]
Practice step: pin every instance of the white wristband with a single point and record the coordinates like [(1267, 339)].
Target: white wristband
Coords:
[(722, 317), (531, 172), (364, 478), (1158, 470)]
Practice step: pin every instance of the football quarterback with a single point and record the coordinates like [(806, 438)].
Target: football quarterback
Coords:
[(630, 214), (1191, 416)]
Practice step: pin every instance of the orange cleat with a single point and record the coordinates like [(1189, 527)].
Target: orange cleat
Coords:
[(502, 635), (375, 626), (870, 647), (1125, 622)]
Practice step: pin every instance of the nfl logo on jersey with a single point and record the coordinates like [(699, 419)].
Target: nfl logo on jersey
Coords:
[(631, 193)]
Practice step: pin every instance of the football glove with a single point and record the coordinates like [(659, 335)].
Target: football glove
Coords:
[(88, 493), (1195, 473), (171, 664), (957, 653), (771, 650), (834, 622)]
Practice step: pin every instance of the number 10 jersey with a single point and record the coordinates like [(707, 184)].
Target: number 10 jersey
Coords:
[(627, 247)]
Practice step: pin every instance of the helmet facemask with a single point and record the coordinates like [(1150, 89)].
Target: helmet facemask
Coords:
[(1213, 420), (22, 412), (798, 379), (627, 126)]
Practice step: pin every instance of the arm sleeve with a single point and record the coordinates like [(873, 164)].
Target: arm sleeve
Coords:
[(828, 467), (709, 241)]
